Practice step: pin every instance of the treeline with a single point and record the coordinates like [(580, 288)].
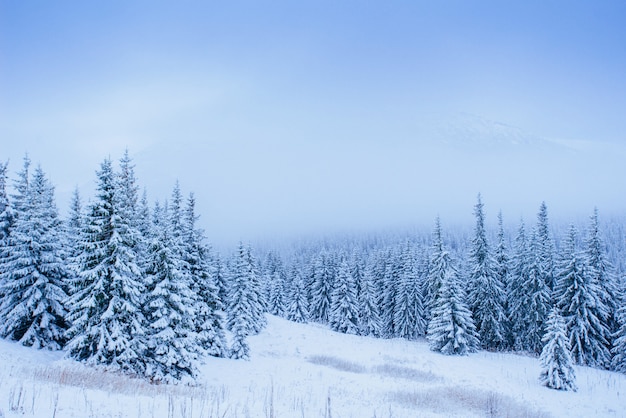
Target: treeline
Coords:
[(487, 295), (134, 287), (120, 283)]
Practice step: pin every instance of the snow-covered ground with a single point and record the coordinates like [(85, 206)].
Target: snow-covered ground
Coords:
[(307, 370)]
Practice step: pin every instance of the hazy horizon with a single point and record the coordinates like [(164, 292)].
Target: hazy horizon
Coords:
[(289, 119)]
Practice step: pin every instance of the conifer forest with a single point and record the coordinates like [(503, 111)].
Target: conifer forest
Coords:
[(134, 286)]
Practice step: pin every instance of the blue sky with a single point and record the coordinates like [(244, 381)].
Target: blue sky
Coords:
[(289, 115)]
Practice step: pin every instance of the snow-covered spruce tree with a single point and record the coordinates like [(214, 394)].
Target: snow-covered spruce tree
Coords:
[(578, 299), (502, 272), (297, 304), (207, 318), (276, 285), (321, 288), (486, 295), (451, 329), (438, 265), (259, 305), (391, 282), (557, 366), (544, 248), (369, 316), (32, 270), (344, 315), (516, 296), (602, 273), (409, 320), (105, 306), (5, 207), (241, 298), (171, 340), (618, 363)]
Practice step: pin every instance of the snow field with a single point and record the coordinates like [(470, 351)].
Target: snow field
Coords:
[(306, 370)]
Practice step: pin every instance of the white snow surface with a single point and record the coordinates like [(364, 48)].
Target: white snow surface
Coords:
[(306, 370)]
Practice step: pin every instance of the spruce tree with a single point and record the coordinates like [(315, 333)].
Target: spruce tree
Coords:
[(5, 207), (276, 284), (297, 305), (618, 362), (408, 312), (32, 270), (602, 274), (105, 307), (544, 249), (451, 329), (486, 295), (343, 309), (369, 316), (171, 341), (516, 291), (557, 366), (391, 283), (208, 320), (578, 298), (240, 310), (321, 288), (502, 273)]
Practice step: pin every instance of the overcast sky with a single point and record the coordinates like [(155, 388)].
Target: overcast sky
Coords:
[(287, 117)]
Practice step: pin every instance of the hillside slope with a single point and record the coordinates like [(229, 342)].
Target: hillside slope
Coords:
[(308, 371)]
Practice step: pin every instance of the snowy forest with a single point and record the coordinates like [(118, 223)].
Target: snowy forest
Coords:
[(134, 286)]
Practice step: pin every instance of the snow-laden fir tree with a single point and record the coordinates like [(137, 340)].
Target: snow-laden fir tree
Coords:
[(602, 273), (438, 266), (171, 341), (276, 285), (259, 305), (5, 207), (241, 301), (297, 304), (486, 295), (32, 270), (451, 329), (344, 314), (557, 366), (544, 249), (618, 362), (408, 313), (369, 315), (321, 288), (502, 272), (391, 282), (208, 320), (105, 307), (516, 297), (578, 299)]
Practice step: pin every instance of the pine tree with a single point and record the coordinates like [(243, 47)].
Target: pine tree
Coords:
[(391, 283), (451, 329), (241, 298), (276, 284), (618, 363), (486, 296), (557, 367), (208, 320), (438, 266), (516, 291), (32, 270), (578, 298), (343, 309), (105, 307), (6, 217), (602, 273), (502, 274), (369, 316), (544, 249), (297, 308), (171, 341), (408, 313), (321, 289)]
